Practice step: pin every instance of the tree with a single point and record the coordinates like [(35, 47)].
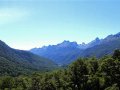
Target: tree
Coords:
[(116, 54), (110, 70), (7, 83), (78, 74), (113, 87)]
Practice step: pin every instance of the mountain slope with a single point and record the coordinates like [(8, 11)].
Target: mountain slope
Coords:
[(106, 47), (101, 50), (61, 53), (66, 52), (14, 61)]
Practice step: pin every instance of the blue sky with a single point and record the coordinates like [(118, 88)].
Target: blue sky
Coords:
[(26, 24)]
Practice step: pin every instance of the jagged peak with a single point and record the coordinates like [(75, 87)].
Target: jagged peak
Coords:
[(117, 35), (66, 43), (97, 39), (83, 43), (111, 37)]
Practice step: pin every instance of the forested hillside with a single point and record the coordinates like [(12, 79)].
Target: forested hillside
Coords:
[(83, 74), (15, 62)]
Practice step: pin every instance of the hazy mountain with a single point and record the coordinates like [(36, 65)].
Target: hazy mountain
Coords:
[(67, 51), (68, 44), (60, 53), (14, 61), (93, 43), (106, 46)]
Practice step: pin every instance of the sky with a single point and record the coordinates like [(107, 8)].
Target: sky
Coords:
[(25, 24)]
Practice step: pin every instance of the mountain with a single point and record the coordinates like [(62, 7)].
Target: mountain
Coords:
[(66, 43), (66, 52), (60, 53), (106, 46), (15, 62), (93, 43)]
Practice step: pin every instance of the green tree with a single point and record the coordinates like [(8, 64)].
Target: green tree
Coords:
[(7, 83), (78, 74), (116, 54)]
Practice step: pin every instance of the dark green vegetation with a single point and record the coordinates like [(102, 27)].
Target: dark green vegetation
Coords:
[(15, 62), (67, 52), (83, 74)]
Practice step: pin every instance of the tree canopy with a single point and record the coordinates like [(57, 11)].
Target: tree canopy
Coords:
[(83, 74)]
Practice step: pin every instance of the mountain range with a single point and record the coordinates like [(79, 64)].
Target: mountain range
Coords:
[(15, 62), (66, 52)]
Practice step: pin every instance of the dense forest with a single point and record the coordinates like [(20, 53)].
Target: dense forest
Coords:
[(83, 74), (14, 62)]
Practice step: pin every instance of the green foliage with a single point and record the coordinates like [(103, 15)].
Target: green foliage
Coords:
[(113, 87), (17, 62), (83, 74), (116, 54)]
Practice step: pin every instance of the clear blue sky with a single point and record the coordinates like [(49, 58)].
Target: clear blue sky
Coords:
[(25, 24)]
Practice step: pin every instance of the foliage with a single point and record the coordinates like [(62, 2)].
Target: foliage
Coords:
[(83, 74), (16, 62)]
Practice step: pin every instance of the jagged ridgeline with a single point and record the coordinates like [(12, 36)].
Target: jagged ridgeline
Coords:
[(66, 52), (16, 62)]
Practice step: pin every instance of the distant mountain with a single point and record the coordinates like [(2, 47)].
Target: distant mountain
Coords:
[(15, 62), (60, 53), (106, 46), (67, 44), (93, 43), (90, 44), (66, 52)]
